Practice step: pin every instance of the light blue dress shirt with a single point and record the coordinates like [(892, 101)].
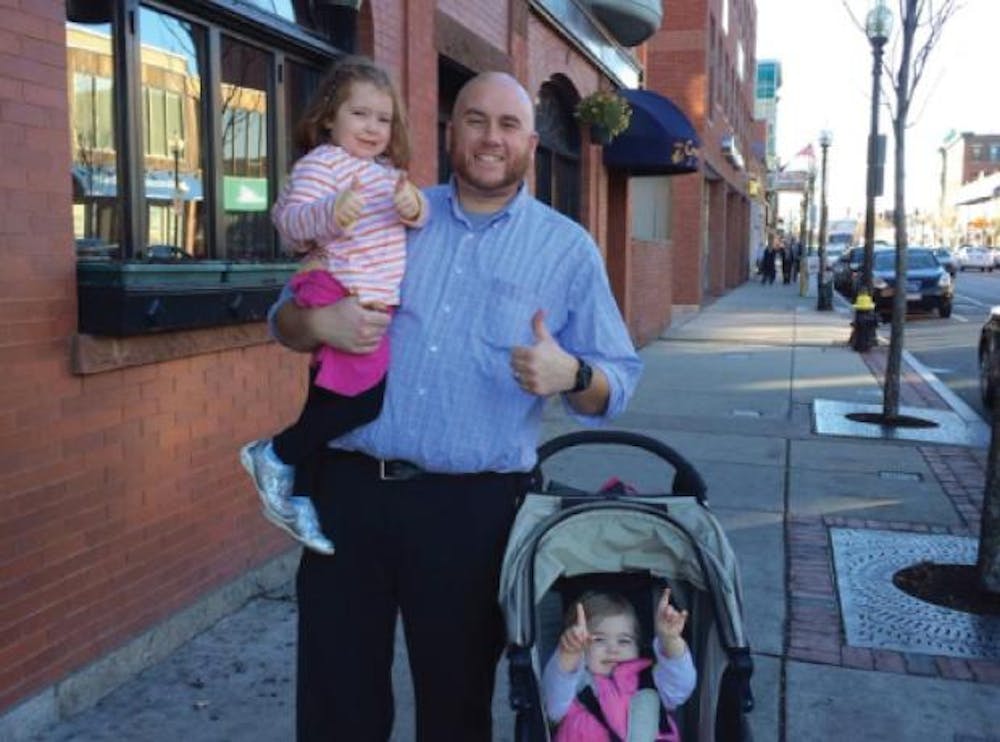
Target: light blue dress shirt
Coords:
[(468, 296)]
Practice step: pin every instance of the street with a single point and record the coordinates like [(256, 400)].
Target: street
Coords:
[(948, 346)]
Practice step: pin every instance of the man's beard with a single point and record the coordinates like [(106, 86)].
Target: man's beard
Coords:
[(513, 174)]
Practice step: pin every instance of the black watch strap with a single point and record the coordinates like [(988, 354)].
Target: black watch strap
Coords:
[(584, 374)]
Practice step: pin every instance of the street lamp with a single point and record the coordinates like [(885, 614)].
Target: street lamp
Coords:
[(878, 25), (824, 290), (177, 149)]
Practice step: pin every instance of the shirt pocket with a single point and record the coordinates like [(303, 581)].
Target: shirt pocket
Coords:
[(505, 323)]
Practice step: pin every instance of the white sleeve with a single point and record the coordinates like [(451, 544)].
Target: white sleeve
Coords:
[(674, 677), (559, 688)]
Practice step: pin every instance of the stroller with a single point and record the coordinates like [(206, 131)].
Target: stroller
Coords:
[(566, 541)]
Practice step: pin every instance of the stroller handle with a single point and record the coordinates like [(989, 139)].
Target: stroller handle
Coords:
[(687, 480)]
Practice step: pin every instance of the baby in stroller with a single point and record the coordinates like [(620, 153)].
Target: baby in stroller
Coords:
[(597, 687)]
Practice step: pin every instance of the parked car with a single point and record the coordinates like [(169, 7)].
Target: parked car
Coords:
[(166, 252), (947, 259), (989, 344), (833, 253), (846, 271), (974, 256), (927, 283)]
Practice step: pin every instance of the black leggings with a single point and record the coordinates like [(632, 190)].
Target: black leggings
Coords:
[(325, 416)]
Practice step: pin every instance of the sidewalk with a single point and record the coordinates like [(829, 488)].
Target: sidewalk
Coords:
[(816, 520)]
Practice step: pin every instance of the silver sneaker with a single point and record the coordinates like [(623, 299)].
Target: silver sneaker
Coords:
[(274, 482), (296, 516), (306, 527)]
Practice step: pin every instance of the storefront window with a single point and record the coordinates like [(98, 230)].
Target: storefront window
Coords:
[(300, 82), (244, 109), (172, 125), (92, 131), (194, 198), (651, 202), (172, 54)]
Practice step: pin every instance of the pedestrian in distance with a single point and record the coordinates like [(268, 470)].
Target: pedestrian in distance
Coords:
[(591, 680), (505, 303), (768, 264), (786, 262), (344, 210)]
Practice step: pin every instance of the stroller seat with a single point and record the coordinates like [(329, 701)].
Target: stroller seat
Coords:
[(566, 541)]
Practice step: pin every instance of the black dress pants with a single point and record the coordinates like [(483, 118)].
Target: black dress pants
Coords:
[(429, 547)]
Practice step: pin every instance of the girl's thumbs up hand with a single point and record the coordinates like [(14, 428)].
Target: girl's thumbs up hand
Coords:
[(407, 199), (348, 206)]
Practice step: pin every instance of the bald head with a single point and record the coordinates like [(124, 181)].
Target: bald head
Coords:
[(497, 83)]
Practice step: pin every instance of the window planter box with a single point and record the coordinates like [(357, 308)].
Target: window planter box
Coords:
[(134, 298)]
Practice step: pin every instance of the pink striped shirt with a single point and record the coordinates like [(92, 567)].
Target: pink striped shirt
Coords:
[(369, 259)]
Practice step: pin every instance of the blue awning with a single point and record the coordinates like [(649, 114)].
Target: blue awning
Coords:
[(660, 139)]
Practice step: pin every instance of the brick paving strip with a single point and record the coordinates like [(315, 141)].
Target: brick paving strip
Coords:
[(815, 626)]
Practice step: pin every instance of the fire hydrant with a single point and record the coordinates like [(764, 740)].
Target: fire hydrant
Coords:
[(864, 324)]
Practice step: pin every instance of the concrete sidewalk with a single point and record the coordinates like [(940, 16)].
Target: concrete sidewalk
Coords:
[(816, 520)]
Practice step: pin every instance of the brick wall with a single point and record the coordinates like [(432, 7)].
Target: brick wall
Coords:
[(679, 59), (651, 296), (121, 500)]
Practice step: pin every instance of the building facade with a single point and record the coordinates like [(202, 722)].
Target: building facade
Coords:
[(142, 145), (966, 215), (704, 59)]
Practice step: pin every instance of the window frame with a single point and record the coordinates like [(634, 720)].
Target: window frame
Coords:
[(111, 287)]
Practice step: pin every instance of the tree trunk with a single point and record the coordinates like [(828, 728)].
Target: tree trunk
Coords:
[(893, 367), (988, 562)]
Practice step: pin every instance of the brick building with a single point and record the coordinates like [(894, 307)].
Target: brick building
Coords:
[(965, 214), (704, 59), (133, 290)]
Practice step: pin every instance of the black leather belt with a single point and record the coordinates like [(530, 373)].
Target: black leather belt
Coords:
[(400, 470)]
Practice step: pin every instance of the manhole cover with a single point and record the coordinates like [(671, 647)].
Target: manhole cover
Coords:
[(879, 615)]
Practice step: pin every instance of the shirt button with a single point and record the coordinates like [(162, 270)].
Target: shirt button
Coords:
[(446, 308), (433, 349), (421, 392), (458, 269)]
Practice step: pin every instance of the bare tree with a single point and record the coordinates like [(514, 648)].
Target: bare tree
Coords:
[(921, 25)]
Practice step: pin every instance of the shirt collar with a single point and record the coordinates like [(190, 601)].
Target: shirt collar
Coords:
[(517, 203)]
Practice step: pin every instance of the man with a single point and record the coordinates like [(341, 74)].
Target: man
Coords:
[(505, 303)]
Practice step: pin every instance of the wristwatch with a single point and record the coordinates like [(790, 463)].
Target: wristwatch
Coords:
[(584, 373)]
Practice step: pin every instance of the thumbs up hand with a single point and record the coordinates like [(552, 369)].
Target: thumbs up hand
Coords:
[(544, 368), (348, 206), (407, 198)]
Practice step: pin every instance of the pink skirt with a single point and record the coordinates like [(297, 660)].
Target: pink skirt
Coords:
[(339, 371)]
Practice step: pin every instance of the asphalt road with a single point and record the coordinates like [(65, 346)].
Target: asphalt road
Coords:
[(948, 346)]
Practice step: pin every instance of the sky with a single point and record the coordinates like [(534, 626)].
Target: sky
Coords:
[(827, 81)]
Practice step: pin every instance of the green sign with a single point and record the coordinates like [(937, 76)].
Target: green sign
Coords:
[(245, 194)]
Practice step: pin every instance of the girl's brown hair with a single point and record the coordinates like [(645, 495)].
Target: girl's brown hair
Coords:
[(597, 606), (333, 90)]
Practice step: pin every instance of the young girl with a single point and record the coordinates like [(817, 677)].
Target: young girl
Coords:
[(596, 671), (345, 209)]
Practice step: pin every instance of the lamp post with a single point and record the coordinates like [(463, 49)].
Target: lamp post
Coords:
[(177, 149), (824, 299), (878, 25)]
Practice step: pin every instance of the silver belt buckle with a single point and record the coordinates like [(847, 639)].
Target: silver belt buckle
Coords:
[(394, 470)]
